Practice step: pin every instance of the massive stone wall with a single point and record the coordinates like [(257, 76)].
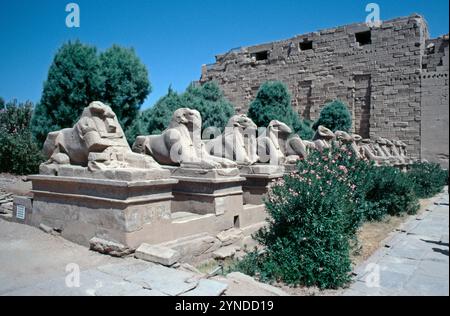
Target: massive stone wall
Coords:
[(435, 102), (377, 71)]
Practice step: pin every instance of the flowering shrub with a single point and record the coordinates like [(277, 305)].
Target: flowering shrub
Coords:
[(312, 220), (428, 178), (316, 212)]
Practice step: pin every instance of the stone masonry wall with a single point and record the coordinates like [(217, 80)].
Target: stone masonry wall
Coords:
[(377, 71), (435, 102)]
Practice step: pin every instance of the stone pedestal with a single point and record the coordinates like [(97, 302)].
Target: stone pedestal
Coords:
[(257, 179), (289, 168), (114, 210), (207, 191)]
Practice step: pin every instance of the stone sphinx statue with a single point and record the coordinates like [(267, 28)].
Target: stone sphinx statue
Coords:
[(96, 142), (400, 146), (383, 147), (238, 141), (323, 138), (273, 144), (369, 151), (180, 144), (353, 141)]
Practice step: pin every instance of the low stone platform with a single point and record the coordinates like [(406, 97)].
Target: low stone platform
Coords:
[(207, 191), (119, 211), (257, 179)]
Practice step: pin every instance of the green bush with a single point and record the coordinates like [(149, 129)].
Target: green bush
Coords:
[(335, 116), (208, 99), (389, 191), (273, 102), (428, 178), (313, 218), (19, 153)]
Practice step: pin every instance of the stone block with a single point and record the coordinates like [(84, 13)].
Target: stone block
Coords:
[(109, 247), (157, 254)]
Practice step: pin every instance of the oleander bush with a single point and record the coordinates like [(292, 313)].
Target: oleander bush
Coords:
[(19, 153), (315, 214), (428, 179), (389, 191), (313, 218)]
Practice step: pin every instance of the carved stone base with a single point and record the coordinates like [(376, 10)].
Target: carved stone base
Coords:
[(114, 210), (258, 178), (207, 191)]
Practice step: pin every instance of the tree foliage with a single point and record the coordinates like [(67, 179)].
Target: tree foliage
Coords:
[(208, 99), (78, 76), (18, 152), (273, 102), (335, 116)]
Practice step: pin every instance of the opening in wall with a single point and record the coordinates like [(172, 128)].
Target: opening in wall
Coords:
[(306, 45), (264, 55), (364, 38)]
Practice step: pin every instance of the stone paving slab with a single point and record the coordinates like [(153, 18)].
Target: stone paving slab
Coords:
[(415, 261), (34, 263)]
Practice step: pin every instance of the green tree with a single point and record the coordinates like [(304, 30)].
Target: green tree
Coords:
[(73, 82), (125, 83), (208, 99), (78, 76), (157, 119), (18, 152), (335, 116), (273, 102)]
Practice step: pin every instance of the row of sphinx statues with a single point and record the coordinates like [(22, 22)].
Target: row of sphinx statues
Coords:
[(97, 142)]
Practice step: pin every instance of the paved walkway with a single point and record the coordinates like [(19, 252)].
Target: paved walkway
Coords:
[(414, 261), (35, 263)]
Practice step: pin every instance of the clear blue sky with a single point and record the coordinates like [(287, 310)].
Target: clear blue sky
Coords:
[(172, 38)]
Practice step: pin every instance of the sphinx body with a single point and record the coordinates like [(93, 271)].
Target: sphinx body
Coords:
[(273, 144), (238, 141), (181, 144), (96, 141), (323, 138)]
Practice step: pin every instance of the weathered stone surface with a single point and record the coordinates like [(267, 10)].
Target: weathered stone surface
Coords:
[(98, 142), (240, 284), (394, 85), (232, 144), (230, 236), (194, 248), (46, 229), (168, 281), (109, 247), (225, 252), (184, 132), (157, 254), (207, 287)]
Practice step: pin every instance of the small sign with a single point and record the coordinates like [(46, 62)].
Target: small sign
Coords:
[(20, 212)]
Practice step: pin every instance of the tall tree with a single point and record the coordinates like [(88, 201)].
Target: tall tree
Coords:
[(125, 82), (209, 100), (73, 82), (78, 76)]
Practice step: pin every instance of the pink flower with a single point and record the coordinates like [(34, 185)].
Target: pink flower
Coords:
[(343, 168)]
